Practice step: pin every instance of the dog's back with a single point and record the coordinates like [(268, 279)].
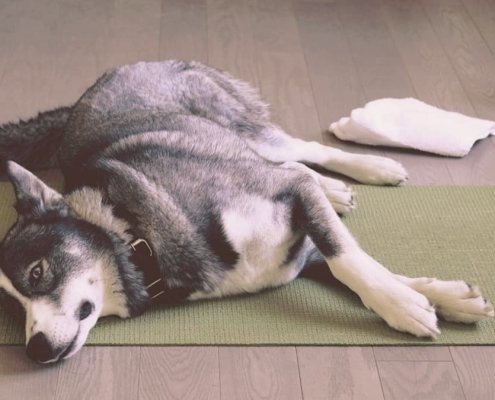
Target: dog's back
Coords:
[(158, 96)]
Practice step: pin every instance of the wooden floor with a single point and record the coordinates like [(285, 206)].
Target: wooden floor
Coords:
[(314, 61)]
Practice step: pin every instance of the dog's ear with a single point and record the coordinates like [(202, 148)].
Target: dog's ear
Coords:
[(34, 198)]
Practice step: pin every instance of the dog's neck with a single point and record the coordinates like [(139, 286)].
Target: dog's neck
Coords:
[(125, 292), (114, 300), (89, 205)]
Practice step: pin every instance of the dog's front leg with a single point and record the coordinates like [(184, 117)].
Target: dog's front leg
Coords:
[(402, 307)]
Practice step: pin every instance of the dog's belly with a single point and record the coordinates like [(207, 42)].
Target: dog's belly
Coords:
[(249, 278), (259, 231)]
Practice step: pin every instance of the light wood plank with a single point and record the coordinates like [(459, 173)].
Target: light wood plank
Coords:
[(412, 353), (338, 373), (317, 1), (100, 373), (469, 54), (475, 366), (477, 167), (259, 373), (179, 373), (62, 47), (432, 75), (377, 60), (8, 28), (41, 47), (283, 73), (336, 85), (133, 32), (21, 378), (183, 33), (231, 45), (423, 380), (483, 14)]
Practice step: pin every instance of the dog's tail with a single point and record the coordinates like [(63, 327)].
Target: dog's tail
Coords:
[(34, 143)]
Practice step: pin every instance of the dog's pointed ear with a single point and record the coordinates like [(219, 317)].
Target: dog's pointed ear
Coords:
[(34, 198)]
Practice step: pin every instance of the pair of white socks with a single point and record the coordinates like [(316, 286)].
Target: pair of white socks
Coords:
[(411, 123)]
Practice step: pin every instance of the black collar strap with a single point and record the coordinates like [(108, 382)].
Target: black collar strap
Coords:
[(142, 257)]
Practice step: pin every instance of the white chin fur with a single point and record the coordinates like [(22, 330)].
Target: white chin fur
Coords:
[(77, 346)]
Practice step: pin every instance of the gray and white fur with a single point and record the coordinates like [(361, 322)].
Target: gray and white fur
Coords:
[(185, 156)]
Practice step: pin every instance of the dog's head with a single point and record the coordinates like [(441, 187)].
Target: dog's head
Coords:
[(51, 271)]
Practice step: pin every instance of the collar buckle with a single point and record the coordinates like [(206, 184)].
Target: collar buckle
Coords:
[(138, 241), (149, 268)]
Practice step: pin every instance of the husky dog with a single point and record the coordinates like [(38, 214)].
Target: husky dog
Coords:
[(178, 187)]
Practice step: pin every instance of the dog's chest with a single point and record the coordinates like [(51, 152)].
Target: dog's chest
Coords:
[(259, 231)]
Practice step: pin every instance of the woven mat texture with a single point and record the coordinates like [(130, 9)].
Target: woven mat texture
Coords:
[(445, 232)]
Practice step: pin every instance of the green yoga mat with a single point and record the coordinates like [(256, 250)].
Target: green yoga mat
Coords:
[(446, 232)]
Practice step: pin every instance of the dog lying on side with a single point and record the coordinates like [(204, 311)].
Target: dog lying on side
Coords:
[(180, 188)]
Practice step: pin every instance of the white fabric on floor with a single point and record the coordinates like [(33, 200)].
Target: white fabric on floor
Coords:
[(411, 123)]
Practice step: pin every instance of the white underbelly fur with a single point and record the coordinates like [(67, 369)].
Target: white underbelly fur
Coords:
[(260, 233)]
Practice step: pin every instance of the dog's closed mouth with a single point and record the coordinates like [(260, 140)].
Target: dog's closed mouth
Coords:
[(69, 348)]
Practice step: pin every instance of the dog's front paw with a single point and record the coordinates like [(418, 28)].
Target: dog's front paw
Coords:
[(457, 301), (375, 170), (403, 309)]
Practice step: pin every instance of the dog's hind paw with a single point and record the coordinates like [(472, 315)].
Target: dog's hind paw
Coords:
[(342, 202), (375, 170), (341, 196)]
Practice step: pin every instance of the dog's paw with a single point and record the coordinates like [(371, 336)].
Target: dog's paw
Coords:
[(458, 301), (340, 195), (375, 170), (403, 308)]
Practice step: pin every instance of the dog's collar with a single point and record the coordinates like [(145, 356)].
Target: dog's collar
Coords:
[(142, 257)]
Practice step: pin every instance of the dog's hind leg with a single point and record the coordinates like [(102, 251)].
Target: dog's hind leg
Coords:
[(453, 300), (402, 307), (275, 145)]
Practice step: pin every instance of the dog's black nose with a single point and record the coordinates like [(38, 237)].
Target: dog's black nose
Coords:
[(39, 348)]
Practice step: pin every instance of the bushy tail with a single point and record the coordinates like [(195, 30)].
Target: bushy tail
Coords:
[(34, 143)]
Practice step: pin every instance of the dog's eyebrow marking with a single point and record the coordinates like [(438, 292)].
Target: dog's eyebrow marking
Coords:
[(41, 260), (74, 250)]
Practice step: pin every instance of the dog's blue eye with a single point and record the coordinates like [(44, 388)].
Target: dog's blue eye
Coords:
[(36, 274)]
